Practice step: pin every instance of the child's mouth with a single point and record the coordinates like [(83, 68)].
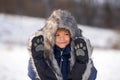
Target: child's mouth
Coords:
[(62, 42)]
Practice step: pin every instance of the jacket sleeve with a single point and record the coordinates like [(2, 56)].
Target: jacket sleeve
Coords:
[(93, 74), (31, 72)]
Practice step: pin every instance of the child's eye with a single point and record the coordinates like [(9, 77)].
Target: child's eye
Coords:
[(57, 35), (67, 34)]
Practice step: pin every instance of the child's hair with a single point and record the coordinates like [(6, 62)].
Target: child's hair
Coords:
[(64, 29)]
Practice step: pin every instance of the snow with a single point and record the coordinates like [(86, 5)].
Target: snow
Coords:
[(13, 62), (103, 38), (15, 31), (107, 64)]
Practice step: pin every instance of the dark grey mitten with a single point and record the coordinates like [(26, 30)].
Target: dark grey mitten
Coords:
[(81, 50), (80, 65), (37, 47)]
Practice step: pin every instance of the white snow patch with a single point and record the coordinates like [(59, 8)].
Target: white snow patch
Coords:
[(13, 62)]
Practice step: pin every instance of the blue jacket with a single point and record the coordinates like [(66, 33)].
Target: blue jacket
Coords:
[(62, 56)]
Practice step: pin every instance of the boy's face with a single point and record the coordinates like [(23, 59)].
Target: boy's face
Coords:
[(62, 38)]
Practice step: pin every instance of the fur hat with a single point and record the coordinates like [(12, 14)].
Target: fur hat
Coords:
[(63, 19)]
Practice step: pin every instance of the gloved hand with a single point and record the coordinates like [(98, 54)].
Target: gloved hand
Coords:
[(81, 50), (37, 47)]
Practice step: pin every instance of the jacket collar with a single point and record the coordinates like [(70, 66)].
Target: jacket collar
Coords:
[(65, 51)]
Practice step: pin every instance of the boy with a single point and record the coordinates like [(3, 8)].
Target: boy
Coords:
[(59, 52)]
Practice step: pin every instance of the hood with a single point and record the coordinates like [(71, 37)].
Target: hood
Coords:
[(59, 19), (63, 19)]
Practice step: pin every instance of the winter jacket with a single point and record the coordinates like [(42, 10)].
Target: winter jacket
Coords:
[(51, 70), (62, 56)]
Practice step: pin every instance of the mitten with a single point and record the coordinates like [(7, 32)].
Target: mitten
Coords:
[(81, 50), (37, 47)]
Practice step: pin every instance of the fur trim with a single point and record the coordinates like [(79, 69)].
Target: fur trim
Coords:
[(87, 71)]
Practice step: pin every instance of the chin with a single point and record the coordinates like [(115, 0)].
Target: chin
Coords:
[(62, 46)]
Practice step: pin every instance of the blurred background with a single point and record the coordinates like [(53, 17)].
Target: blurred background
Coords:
[(99, 20), (100, 13)]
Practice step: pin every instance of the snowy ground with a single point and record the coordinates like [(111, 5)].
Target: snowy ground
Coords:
[(14, 57), (13, 62), (107, 64)]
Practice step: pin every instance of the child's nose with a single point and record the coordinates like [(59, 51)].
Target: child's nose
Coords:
[(61, 38)]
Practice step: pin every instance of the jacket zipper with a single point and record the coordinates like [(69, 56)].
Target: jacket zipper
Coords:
[(61, 60)]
